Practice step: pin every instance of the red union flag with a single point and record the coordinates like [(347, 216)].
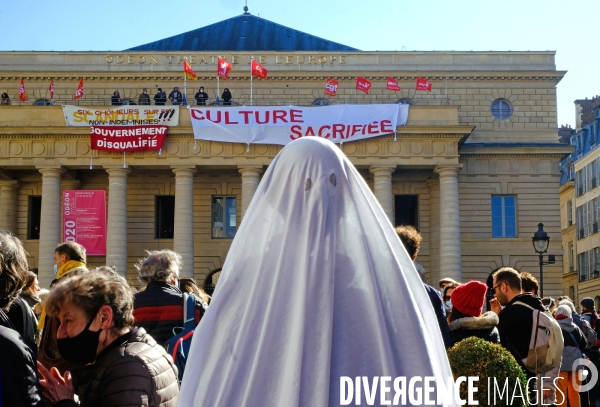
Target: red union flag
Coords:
[(223, 68), (363, 84), (51, 88), (79, 92), (331, 87), (392, 84), (423, 84), (22, 94), (258, 70)]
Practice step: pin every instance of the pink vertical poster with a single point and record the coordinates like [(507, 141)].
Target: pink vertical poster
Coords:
[(84, 219)]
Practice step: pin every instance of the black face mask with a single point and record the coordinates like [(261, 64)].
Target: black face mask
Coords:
[(80, 349)]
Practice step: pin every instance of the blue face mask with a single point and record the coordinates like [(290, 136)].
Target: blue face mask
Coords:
[(449, 304), (55, 270)]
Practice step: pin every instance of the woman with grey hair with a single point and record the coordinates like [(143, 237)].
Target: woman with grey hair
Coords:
[(121, 365), (18, 380)]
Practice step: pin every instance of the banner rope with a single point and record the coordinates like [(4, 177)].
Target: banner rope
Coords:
[(124, 161), (90, 159)]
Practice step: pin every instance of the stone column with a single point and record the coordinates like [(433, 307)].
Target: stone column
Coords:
[(250, 181), (450, 262), (8, 205), (382, 188), (116, 244), (434, 231), (183, 234), (49, 223)]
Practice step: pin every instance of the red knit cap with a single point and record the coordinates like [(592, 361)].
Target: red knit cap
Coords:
[(468, 298)]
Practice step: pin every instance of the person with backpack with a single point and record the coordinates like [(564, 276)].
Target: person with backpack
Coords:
[(159, 308), (574, 345), (589, 314), (516, 311)]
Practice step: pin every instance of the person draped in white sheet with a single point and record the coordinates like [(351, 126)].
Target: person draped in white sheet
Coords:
[(316, 285)]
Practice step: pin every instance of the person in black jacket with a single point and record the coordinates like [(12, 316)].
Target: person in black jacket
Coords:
[(466, 319), (176, 96), (115, 99), (159, 308), (18, 379), (411, 239), (201, 97), (226, 96), (160, 98)]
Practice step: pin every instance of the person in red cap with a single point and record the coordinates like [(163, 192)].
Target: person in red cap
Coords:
[(466, 319)]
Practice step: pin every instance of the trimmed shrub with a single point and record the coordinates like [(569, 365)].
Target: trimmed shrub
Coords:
[(477, 357)]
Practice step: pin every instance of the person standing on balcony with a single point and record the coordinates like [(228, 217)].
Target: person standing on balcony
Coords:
[(160, 98), (176, 96), (144, 98), (201, 97), (115, 99), (226, 96), (5, 99)]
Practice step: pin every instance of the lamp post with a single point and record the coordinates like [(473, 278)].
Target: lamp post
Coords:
[(541, 241)]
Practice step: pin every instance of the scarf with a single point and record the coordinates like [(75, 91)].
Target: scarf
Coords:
[(64, 269)]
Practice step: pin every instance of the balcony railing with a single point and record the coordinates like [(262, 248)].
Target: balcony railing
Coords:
[(242, 99)]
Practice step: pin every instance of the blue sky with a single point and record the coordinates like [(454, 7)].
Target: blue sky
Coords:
[(567, 27)]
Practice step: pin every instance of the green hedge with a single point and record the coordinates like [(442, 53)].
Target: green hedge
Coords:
[(477, 357)]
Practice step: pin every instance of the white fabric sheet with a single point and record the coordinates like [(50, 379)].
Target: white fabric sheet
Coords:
[(316, 285)]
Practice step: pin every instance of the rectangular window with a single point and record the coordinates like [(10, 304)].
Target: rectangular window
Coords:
[(164, 217), (407, 210), (595, 260), (572, 291), (593, 172), (34, 217), (579, 183), (590, 219), (571, 255), (504, 216), (580, 223), (224, 216), (569, 213)]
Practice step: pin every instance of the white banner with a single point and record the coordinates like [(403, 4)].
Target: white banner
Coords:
[(283, 124), (129, 115)]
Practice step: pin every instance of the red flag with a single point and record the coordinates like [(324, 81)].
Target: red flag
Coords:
[(392, 84), (22, 95), (188, 72), (331, 87), (51, 88), (363, 84), (258, 70), (423, 84), (79, 91), (223, 68)]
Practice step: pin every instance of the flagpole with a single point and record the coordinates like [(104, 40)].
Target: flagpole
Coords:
[(218, 80), (184, 83), (251, 58)]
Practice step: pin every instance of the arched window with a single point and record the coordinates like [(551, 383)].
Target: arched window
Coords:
[(321, 102), (42, 102), (501, 109)]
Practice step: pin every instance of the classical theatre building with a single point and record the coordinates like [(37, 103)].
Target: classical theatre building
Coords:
[(475, 169)]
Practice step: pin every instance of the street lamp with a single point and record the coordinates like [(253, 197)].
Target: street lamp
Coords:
[(541, 241)]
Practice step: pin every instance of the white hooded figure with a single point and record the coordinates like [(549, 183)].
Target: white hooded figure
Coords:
[(316, 286)]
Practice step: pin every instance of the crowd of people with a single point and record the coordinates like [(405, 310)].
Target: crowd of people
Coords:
[(514, 297), (175, 97), (303, 300)]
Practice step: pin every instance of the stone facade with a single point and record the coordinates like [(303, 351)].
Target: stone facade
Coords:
[(454, 155)]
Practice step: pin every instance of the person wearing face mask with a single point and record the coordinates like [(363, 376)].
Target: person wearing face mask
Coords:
[(201, 97), (447, 297), (159, 308), (69, 257), (119, 364), (19, 385), (144, 98)]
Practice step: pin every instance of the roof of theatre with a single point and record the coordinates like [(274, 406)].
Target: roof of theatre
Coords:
[(245, 32)]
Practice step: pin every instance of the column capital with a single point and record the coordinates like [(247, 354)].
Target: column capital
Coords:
[(50, 171), (117, 171), (250, 169), (183, 169), (9, 183), (382, 170), (450, 170)]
